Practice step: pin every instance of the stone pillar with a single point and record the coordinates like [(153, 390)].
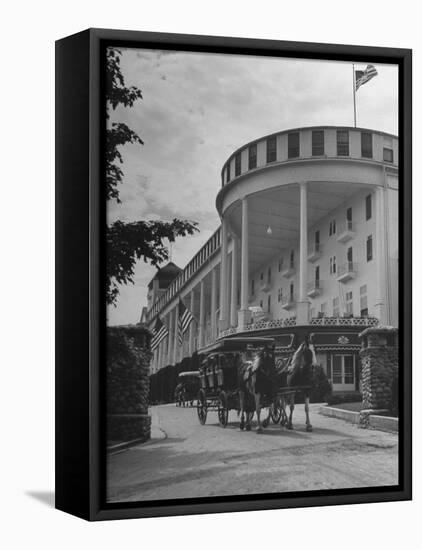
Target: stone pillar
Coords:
[(244, 313), (379, 368), (213, 304), (380, 257), (223, 276), (201, 314), (302, 312), (176, 335), (233, 307), (191, 326)]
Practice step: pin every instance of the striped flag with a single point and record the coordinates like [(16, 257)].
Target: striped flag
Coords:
[(362, 77), (159, 332), (184, 320)]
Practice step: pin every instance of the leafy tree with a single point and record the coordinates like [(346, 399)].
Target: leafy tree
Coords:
[(129, 242)]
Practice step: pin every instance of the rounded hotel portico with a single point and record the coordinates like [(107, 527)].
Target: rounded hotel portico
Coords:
[(308, 238)]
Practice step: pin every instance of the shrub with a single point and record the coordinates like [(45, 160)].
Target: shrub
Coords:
[(321, 386)]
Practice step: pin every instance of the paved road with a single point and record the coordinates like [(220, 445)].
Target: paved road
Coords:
[(194, 460)]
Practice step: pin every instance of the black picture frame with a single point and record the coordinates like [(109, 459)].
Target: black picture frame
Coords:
[(80, 304)]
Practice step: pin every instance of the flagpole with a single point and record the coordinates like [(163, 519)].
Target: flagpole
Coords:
[(354, 92)]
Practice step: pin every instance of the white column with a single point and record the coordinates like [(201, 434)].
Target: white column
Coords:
[(380, 306), (244, 313), (223, 276), (192, 325), (303, 304), (233, 307), (159, 356), (170, 339), (155, 361), (201, 314), (213, 304), (176, 342)]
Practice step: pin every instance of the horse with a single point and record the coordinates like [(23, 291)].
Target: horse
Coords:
[(256, 377), (298, 372)]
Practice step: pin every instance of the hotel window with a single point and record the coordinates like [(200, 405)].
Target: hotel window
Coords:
[(323, 309), (269, 303), (369, 255), (368, 207), (366, 145), (343, 143), (317, 276), (262, 277), (387, 154), (317, 143), (316, 241), (252, 287), (350, 258), (228, 172), (292, 292), (271, 149), (293, 145), (349, 303), (349, 218), (280, 264), (292, 258), (280, 294), (252, 157), (261, 304), (332, 230), (269, 275), (333, 265), (336, 307), (343, 369), (237, 165), (363, 301)]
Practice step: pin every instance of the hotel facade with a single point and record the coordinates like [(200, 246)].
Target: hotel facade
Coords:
[(308, 245)]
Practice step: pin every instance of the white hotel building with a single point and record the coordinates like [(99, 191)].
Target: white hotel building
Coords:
[(308, 244)]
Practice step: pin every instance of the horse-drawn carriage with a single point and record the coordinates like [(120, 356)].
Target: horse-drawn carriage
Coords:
[(241, 374), (187, 387)]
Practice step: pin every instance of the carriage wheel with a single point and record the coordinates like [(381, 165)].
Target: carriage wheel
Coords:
[(223, 411), (276, 410), (284, 418), (201, 407)]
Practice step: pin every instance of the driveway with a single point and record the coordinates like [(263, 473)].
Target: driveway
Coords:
[(189, 460)]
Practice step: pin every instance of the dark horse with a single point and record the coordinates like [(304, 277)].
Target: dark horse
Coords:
[(257, 376), (298, 373)]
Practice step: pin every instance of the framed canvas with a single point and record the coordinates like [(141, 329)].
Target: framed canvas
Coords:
[(233, 274)]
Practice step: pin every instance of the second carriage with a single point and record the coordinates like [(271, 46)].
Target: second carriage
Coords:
[(219, 381)]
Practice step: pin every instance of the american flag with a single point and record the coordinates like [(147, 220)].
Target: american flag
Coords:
[(184, 320), (159, 332), (362, 77)]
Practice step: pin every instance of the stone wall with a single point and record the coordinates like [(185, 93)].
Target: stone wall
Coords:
[(127, 384), (379, 367)]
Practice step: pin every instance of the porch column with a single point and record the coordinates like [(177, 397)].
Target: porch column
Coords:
[(201, 314), (233, 307), (159, 356), (380, 257), (191, 326), (223, 276), (244, 313), (170, 339), (213, 304), (175, 341), (303, 304)]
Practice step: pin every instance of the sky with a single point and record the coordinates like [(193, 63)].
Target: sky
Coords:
[(197, 109)]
